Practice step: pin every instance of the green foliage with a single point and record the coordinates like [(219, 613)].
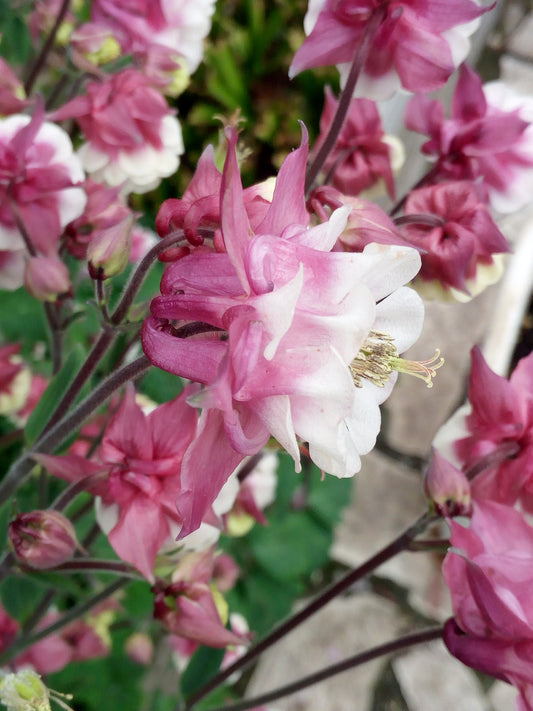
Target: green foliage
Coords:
[(15, 41), (204, 664)]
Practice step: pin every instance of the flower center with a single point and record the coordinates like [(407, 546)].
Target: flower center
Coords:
[(378, 358)]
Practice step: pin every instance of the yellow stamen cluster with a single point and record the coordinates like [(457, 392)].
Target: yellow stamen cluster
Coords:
[(378, 358)]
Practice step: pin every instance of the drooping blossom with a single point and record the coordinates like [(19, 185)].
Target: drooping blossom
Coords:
[(416, 45), (181, 25), (447, 487), (42, 539), (46, 278), (192, 609), (166, 69), (133, 140), (490, 576), (142, 456), (459, 246), (38, 177), (287, 318), (483, 138), (491, 439), (362, 154), (93, 42)]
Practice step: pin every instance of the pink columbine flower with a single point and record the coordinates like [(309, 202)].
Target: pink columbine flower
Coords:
[(361, 155), (181, 25), (416, 46), (142, 456), (38, 177), (42, 539), (483, 138), (490, 576), (459, 247), (133, 140), (491, 439), (447, 487), (287, 317)]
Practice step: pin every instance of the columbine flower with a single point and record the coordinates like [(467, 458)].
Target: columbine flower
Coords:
[(132, 138), (38, 172), (417, 45), (491, 438), (458, 249), (482, 139), (181, 25), (490, 579), (42, 539), (362, 155), (287, 318)]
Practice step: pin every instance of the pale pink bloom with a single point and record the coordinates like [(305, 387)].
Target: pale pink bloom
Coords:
[(181, 25), (95, 43), (109, 250), (480, 139), (142, 240), (256, 492), (140, 648), (38, 175), (142, 456), (463, 238), (292, 315), (360, 157), (490, 576), (417, 45), (38, 384), (165, 67), (133, 140), (491, 438)]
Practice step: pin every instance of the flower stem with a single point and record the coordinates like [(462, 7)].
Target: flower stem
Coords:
[(424, 180), (395, 547), (420, 219), (358, 62), (140, 273), (60, 431), (47, 46), (70, 493), (77, 611), (395, 645), (84, 565), (506, 450)]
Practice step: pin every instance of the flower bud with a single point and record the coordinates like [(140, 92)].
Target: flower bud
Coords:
[(42, 539), (139, 648), (46, 278), (96, 43), (447, 488), (109, 250), (24, 691)]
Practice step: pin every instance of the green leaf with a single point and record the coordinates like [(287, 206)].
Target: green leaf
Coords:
[(204, 664), (53, 394), (15, 42), (19, 595)]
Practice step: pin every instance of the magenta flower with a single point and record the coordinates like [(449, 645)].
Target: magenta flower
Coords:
[(417, 45), (480, 140), (490, 578), (133, 140), (491, 439), (286, 318), (142, 456), (38, 177), (360, 156), (181, 25), (463, 238)]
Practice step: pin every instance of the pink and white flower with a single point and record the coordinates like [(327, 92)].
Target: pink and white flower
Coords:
[(39, 174), (293, 316), (416, 46), (181, 25), (133, 140)]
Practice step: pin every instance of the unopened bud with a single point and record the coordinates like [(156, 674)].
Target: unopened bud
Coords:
[(109, 250), (95, 43), (46, 278), (42, 539), (447, 487), (140, 648)]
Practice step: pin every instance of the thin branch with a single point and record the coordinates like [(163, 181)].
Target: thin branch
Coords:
[(356, 660), (47, 46), (395, 547)]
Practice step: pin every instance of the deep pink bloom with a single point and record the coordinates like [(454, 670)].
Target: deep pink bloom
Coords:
[(131, 132), (287, 317), (417, 45), (8, 629), (447, 487), (142, 456), (490, 579), (478, 141), (360, 156), (499, 428), (466, 237), (38, 174), (181, 25)]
